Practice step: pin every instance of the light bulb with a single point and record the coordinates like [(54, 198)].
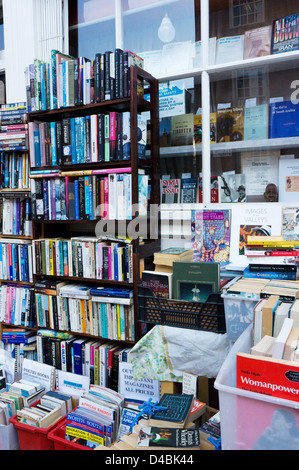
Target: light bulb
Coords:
[(166, 31)]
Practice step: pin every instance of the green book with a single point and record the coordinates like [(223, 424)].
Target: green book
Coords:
[(195, 281), (256, 122)]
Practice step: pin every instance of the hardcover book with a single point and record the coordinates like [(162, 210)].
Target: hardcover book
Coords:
[(176, 413), (285, 34), (195, 281), (257, 42)]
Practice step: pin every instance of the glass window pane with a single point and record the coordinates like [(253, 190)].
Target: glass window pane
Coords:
[(91, 27), (1, 28), (163, 32)]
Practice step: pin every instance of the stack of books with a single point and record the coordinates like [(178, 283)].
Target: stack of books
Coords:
[(13, 127)]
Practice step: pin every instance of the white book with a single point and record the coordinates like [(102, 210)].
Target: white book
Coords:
[(280, 341), (94, 137), (229, 49), (281, 312)]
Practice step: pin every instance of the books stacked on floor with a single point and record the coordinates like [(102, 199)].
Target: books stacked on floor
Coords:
[(75, 81), (95, 358), (16, 260), (13, 127), (89, 139), (51, 407), (273, 361), (96, 420), (83, 256), (210, 429)]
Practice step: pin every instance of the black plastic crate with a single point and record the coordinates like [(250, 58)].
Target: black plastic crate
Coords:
[(207, 316)]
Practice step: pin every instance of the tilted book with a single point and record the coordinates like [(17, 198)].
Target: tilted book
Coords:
[(195, 281)]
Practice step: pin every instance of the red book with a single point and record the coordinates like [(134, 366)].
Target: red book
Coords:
[(273, 377)]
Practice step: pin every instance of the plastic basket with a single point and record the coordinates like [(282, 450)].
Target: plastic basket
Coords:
[(59, 441), (208, 316), (32, 438)]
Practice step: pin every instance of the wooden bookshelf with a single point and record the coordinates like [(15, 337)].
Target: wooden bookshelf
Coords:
[(134, 104)]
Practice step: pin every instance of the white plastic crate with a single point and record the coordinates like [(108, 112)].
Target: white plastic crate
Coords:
[(251, 420)]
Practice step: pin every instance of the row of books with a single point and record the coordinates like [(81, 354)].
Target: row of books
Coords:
[(13, 127), (16, 216), (14, 170), (20, 352), (68, 81), (17, 306), (281, 36), (88, 197), (16, 260), (186, 190), (93, 138), (78, 308), (86, 257), (93, 358), (277, 119)]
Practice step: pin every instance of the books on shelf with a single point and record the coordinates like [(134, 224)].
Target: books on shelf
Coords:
[(66, 81), (16, 216), (85, 257), (230, 124), (16, 260), (15, 171), (17, 307), (229, 49)]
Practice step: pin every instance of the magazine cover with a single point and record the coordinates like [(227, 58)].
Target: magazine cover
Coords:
[(210, 235), (285, 34)]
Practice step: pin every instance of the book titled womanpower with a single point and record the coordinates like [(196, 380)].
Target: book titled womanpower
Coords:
[(155, 437)]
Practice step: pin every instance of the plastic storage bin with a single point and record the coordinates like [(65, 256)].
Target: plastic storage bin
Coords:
[(205, 316), (60, 443), (238, 314), (251, 420), (32, 438)]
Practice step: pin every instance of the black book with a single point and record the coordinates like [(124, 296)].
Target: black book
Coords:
[(97, 77), (107, 81), (80, 260), (88, 141), (126, 77), (278, 268), (100, 137), (47, 143), (105, 262), (66, 142), (58, 136), (117, 55)]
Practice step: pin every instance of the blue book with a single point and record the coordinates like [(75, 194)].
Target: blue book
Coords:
[(73, 138), (76, 200), (37, 152), (46, 199), (79, 139), (91, 208), (86, 196), (111, 292), (77, 353), (269, 274), (43, 86), (26, 264), (53, 143), (283, 119)]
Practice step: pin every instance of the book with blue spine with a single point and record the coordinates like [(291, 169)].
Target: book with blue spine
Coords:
[(73, 140), (111, 292), (76, 200)]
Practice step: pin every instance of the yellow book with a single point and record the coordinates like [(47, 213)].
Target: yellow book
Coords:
[(83, 317), (76, 173), (118, 322), (51, 258)]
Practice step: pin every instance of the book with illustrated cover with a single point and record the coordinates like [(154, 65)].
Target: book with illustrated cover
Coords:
[(195, 281), (214, 189), (198, 128), (159, 283), (257, 42), (283, 119), (285, 34), (230, 124), (159, 438), (176, 412), (290, 223), (232, 188), (210, 235)]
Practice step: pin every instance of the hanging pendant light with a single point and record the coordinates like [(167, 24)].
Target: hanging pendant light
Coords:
[(166, 31)]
